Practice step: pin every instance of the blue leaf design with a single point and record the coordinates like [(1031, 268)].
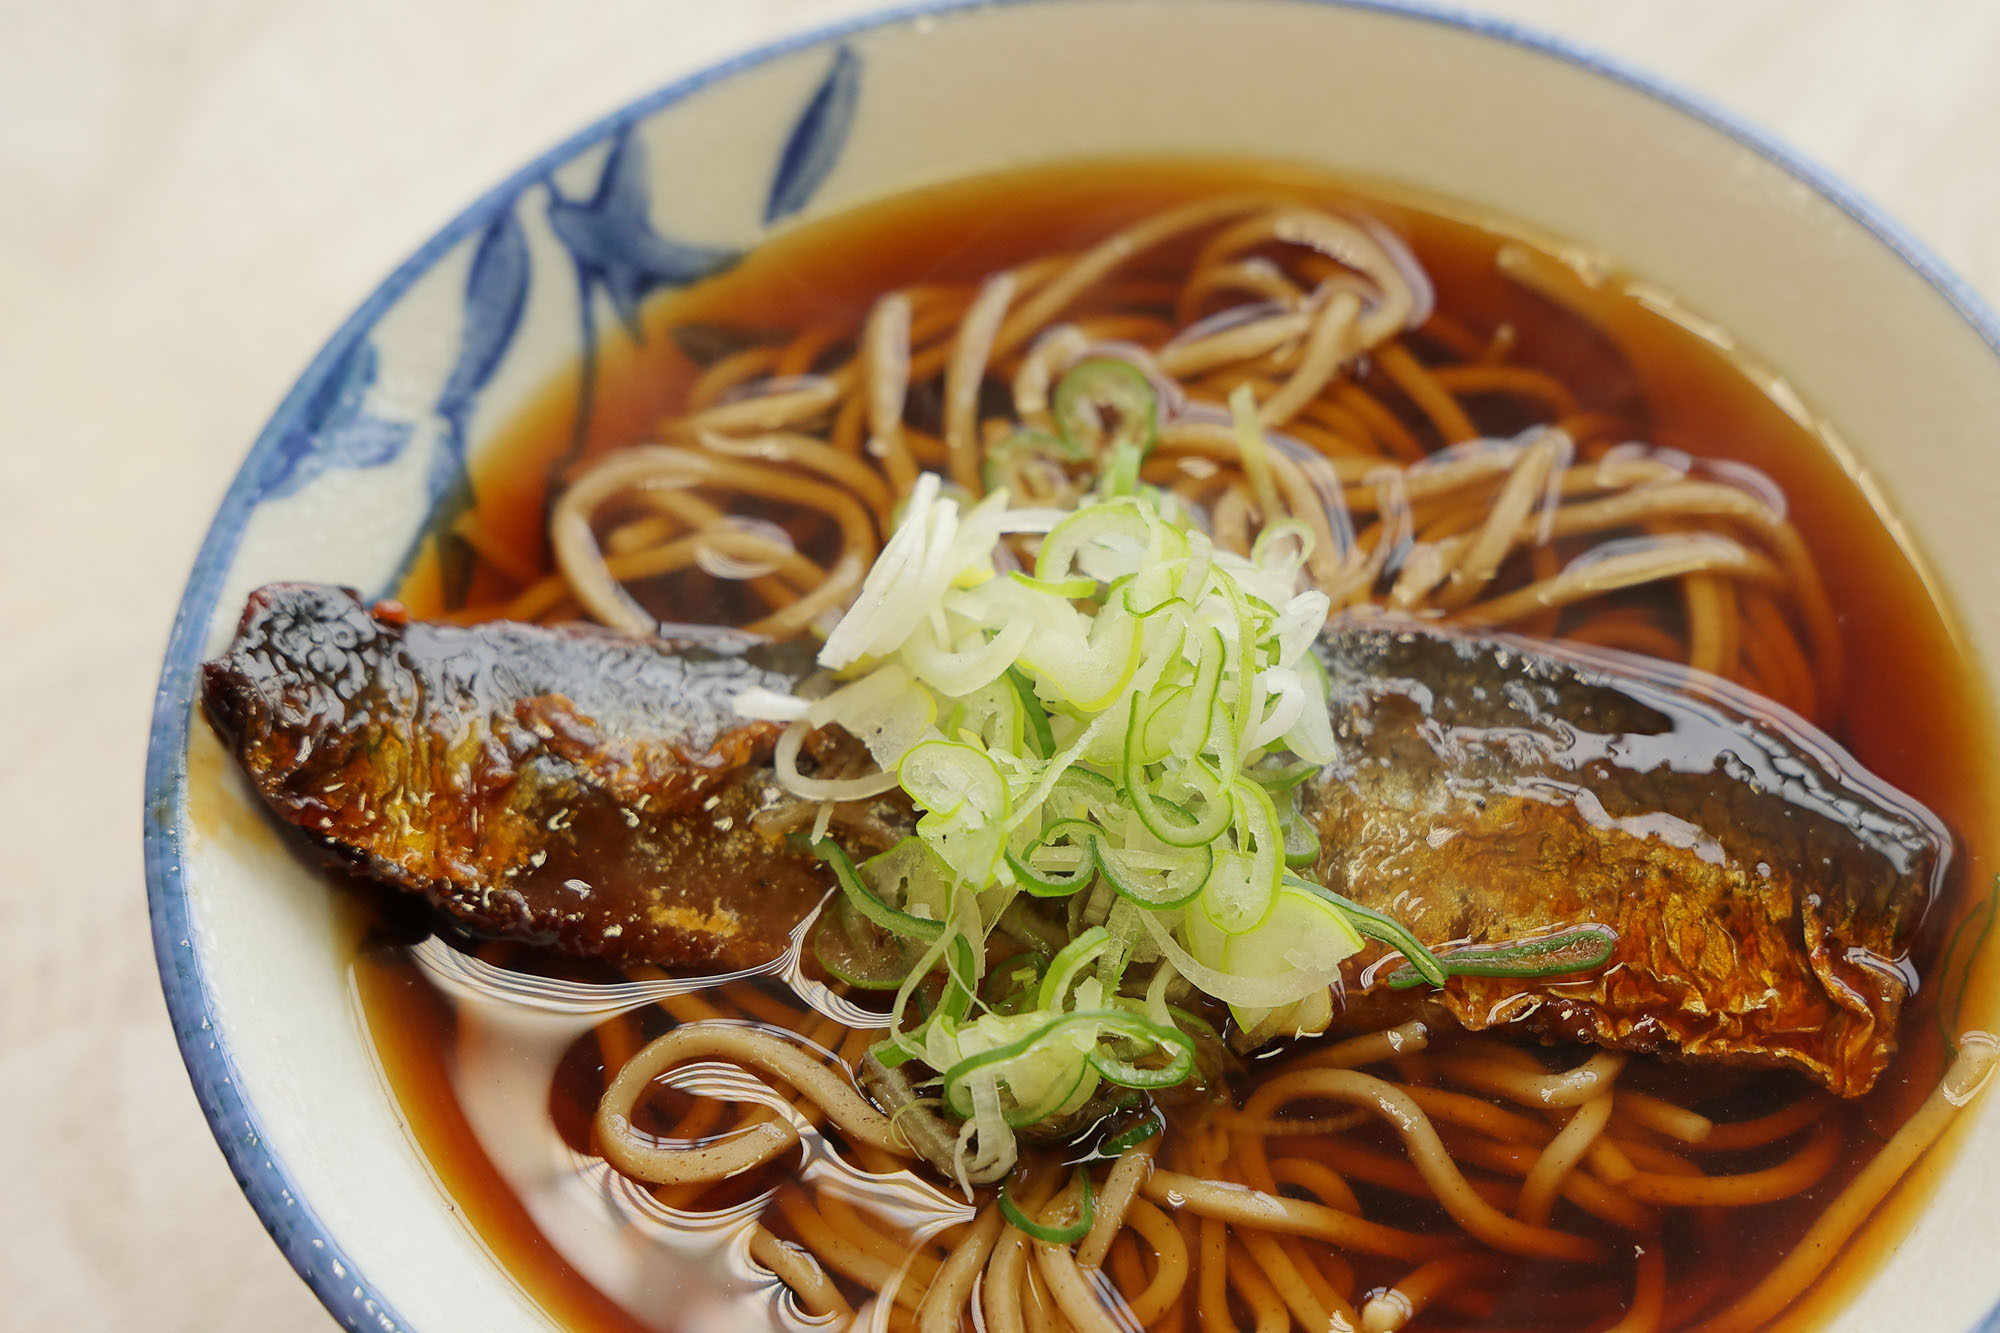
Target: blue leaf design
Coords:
[(334, 430), (817, 139), (447, 461), (611, 237), (496, 292)]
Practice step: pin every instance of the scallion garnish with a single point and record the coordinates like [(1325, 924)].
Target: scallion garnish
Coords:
[(1107, 409), (1133, 1135), (853, 949), (1387, 930), (1575, 950), (1069, 1234), (1124, 722), (864, 901)]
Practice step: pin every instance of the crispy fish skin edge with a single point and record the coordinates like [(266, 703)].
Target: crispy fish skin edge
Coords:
[(1631, 1003), (360, 781)]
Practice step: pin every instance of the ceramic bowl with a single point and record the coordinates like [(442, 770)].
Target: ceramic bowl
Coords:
[(1868, 331)]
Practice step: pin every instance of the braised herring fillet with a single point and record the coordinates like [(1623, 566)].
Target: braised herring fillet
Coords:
[(596, 794), (568, 787), (1765, 889)]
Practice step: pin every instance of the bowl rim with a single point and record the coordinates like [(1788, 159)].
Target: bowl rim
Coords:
[(317, 1257)]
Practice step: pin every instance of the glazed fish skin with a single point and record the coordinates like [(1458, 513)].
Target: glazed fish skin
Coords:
[(1764, 887), (568, 787)]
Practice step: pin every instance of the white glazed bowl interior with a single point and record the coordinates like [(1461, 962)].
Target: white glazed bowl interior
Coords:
[(1865, 329)]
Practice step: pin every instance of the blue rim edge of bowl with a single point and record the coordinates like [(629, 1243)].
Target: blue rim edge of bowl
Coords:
[(294, 1226)]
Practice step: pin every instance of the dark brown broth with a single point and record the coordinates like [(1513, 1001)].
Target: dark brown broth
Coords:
[(1912, 711)]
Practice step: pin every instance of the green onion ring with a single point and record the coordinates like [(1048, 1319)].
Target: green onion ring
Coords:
[(865, 902), (1063, 1235), (1526, 958)]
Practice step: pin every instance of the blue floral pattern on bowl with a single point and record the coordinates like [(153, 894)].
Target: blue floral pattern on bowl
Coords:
[(617, 250)]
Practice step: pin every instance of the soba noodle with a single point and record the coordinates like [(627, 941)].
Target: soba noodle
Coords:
[(1456, 531), (1249, 1214)]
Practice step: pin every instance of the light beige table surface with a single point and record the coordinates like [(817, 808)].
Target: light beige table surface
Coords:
[(192, 195)]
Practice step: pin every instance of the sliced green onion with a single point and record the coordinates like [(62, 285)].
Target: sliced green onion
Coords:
[(1165, 820), (1265, 552), (1575, 950), (1198, 733), (1281, 777), (1070, 1234), (1022, 973), (1107, 408), (1127, 1074), (1119, 728), (1042, 1044), (1061, 1099), (1246, 880), (1003, 457), (1082, 794), (865, 902), (1301, 842), (1302, 931), (1068, 589), (965, 800), (1068, 964), (910, 876), (1252, 446), (960, 984), (1387, 930), (1090, 671), (1033, 714), (1043, 880), (1194, 1023), (1129, 1138), (950, 778), (1092, 536), (892, 1053), (1157, 879), (853, 949), (991, 718)]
